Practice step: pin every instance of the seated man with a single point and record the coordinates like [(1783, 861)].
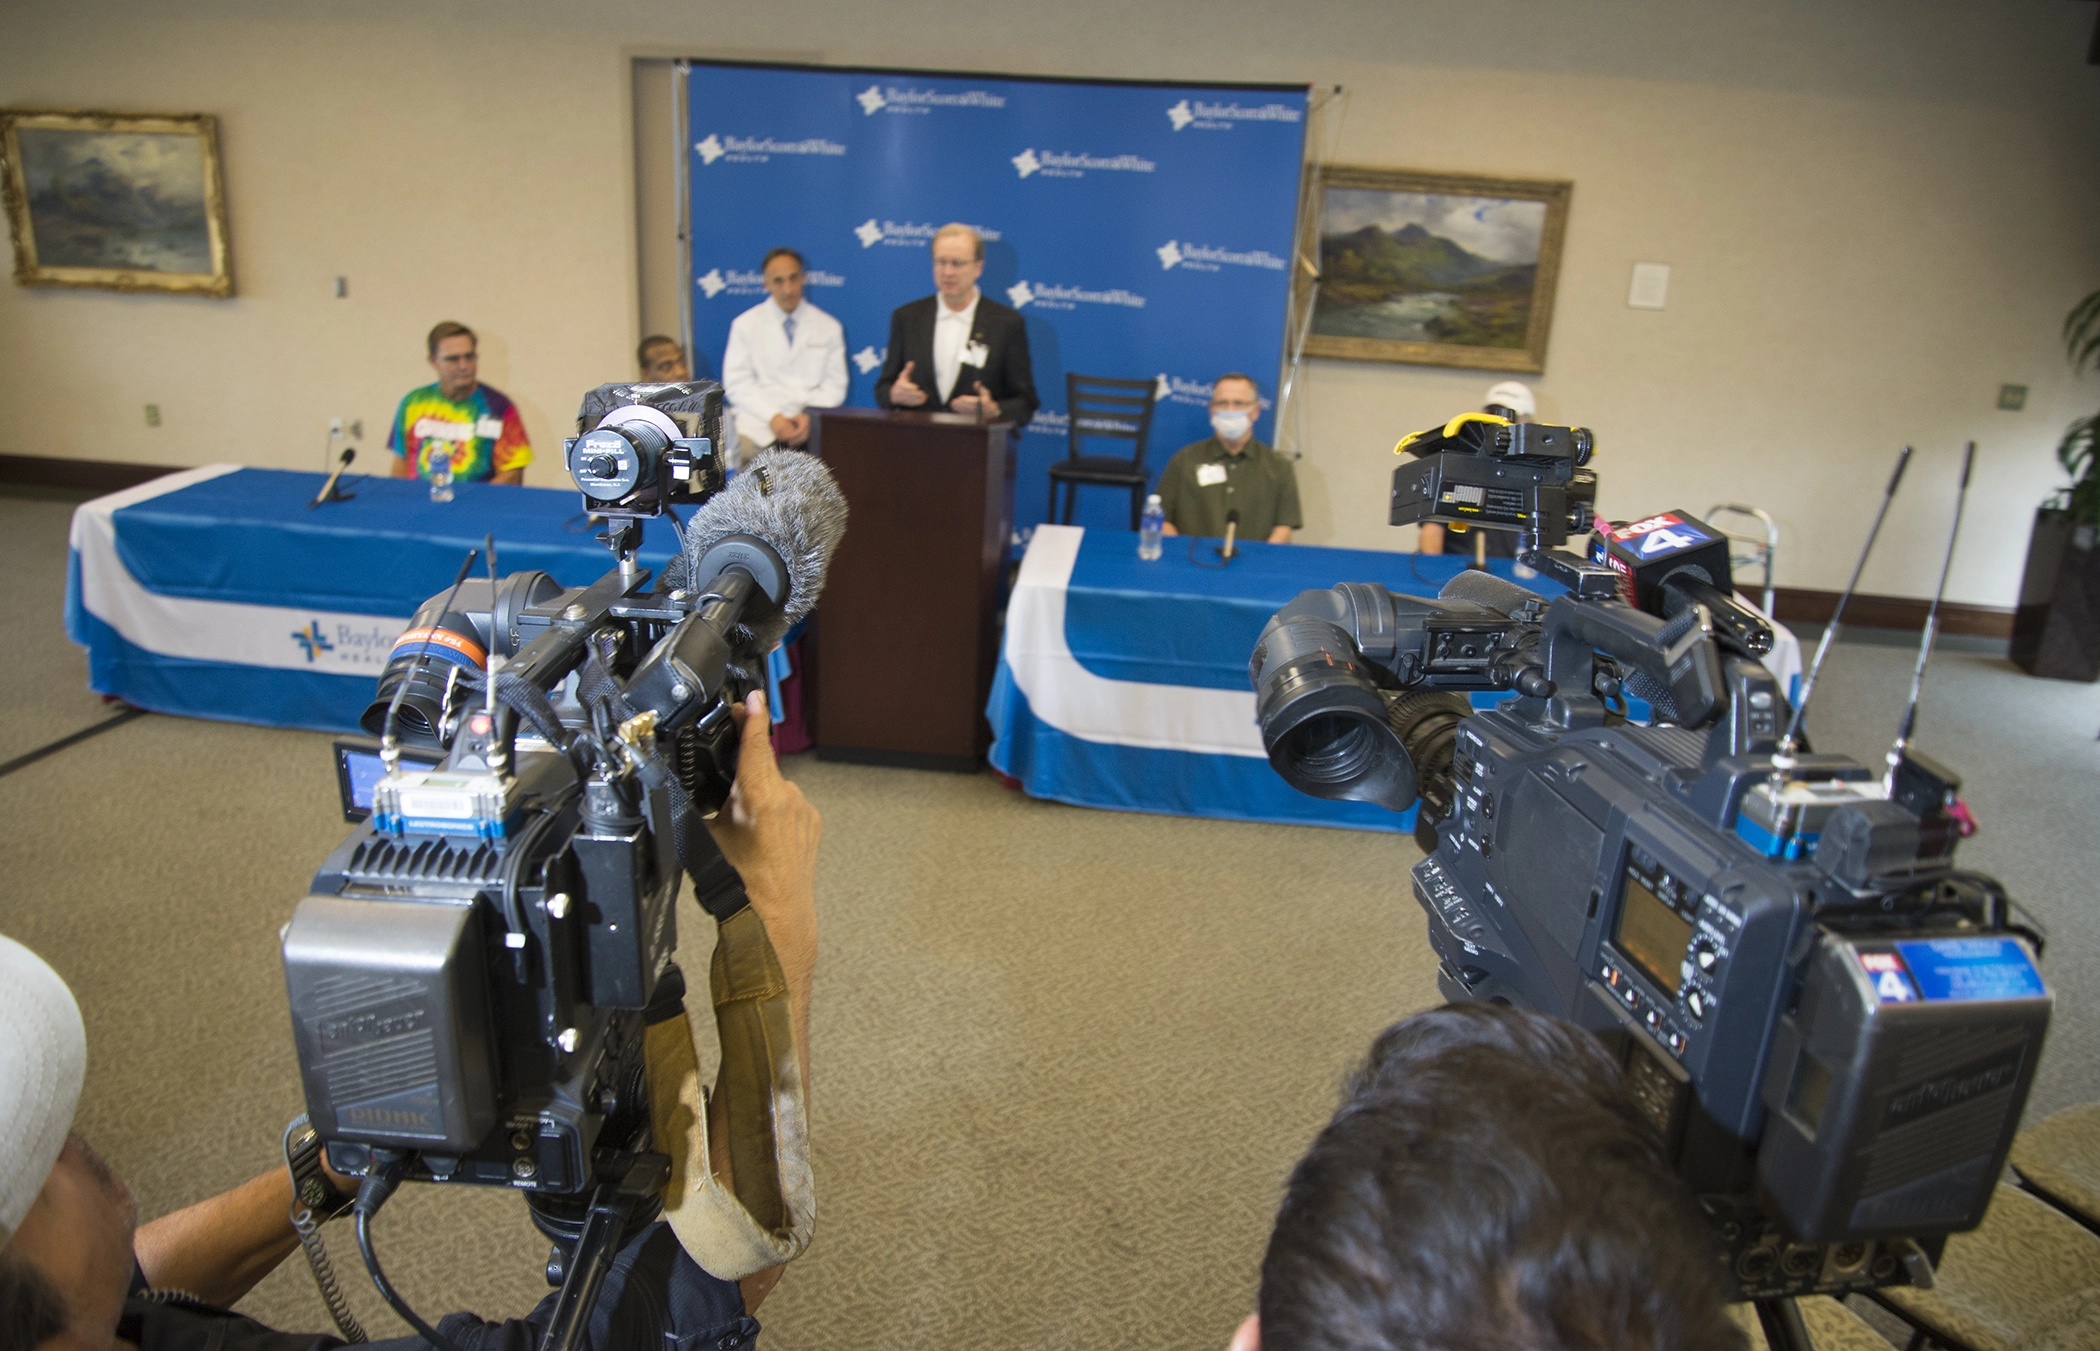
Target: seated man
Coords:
[(1231, 471), (784, 357), (75, 1264), (662, 360), (458, 423), (1488, 1182)]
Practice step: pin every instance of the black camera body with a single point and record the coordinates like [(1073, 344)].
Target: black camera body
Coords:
[(1833, 1028), (1478, 470), (469, 973)]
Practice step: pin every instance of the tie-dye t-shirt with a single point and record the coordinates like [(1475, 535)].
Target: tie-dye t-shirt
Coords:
[(482, 432)]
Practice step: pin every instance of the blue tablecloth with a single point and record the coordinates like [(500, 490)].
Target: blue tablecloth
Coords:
[(1123, 683), (216, 592)]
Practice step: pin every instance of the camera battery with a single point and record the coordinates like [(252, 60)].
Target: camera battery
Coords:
[(442, 802), (1896, 1084), (390, 1010)]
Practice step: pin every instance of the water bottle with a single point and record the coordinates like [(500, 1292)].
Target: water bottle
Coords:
[(1149, 526), (441, 479)]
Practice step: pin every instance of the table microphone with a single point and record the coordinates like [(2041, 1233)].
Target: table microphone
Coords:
[(328, 490), (1232, 531)]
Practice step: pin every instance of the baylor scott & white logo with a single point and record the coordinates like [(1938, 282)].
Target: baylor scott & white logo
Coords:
[(1220, 116), (738, 282), (1046, 296), (1064, 164), (1204, 258), (345, 646), (759, 149), (868, 359), (905, 234), (878, 98)]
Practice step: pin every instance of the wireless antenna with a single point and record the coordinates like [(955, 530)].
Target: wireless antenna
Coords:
[(1932, 625), (389, 745), (498, 758), (1783, 758)]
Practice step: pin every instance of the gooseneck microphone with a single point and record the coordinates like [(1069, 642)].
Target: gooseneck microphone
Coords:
[(329, 492), (1232, 533)]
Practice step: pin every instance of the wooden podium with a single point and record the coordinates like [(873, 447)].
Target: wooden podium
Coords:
[(906, 635)]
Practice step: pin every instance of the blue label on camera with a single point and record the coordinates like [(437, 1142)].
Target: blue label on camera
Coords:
[(1971, 968)]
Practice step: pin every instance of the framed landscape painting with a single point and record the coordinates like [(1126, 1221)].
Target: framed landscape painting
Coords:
[(1435, 269), (119, 201)]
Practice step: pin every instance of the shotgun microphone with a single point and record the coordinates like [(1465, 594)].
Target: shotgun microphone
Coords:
[(1232, 533), (329, 491)]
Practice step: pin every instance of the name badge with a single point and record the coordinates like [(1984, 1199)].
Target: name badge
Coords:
[(976, 354), (491, 427), (1209, 474), (438, 429)]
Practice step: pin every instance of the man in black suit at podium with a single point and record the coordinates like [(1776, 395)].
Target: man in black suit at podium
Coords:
[(958, 349)]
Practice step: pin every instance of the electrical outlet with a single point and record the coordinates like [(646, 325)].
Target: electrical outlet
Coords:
[(152, 415), (335, 428), (357, 429), (2012, 398), (342, 288)]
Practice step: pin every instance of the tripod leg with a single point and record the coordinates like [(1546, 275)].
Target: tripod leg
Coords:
[(1783, 1328), (612, 1206)]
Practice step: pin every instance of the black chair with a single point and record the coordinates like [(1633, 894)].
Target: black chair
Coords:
[(1104, 409)]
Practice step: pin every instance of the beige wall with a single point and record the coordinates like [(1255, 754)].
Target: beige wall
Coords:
[(1876, 213)]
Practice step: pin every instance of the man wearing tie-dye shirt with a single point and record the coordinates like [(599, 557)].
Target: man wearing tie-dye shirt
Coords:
[(471, 424)]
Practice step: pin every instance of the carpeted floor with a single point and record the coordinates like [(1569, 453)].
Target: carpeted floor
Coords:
[(1063, 1058)]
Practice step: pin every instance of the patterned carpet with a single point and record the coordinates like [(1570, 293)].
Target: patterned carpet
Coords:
[(1063, 1058)]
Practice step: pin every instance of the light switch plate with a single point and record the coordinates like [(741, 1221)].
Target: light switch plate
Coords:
[(1650, 288)]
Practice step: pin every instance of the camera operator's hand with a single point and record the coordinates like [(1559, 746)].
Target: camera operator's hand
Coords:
[(904, 393), (768, 831)]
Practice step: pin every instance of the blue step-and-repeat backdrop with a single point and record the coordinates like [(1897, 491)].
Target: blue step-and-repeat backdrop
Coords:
[(1144, 231)]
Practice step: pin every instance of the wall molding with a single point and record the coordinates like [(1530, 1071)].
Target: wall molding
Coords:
[(98, 476), (1794, 603)]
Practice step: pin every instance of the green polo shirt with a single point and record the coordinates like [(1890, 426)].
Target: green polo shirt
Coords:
[(1257, 481)]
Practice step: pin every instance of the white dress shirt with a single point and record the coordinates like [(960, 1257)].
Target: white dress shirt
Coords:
[(764, 375), (951, 333)]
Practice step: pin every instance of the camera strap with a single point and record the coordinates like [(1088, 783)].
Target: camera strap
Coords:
[(765, 1216)]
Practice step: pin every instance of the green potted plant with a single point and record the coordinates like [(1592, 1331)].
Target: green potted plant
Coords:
[(2056, 630)]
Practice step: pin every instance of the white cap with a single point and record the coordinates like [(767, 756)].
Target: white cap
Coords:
[(1514, 395), (43, 1059)]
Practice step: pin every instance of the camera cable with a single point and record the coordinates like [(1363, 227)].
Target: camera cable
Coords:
[(382, 1176)]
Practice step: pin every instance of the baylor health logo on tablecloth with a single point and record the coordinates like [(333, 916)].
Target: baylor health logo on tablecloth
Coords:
[(1047, 296), (905, 234), (345, 645), (759, 149), (877, 98), (1203, 258), (1205, 116), (1065, 164)]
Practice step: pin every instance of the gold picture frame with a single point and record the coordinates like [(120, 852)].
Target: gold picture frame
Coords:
[(1432, 269), (116, 201)]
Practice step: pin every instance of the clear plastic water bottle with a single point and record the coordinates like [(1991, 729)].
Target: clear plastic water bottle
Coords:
[(1149, 527), (441, 479)]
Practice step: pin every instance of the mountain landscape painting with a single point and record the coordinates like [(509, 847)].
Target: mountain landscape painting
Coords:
[(1413, 269), (124, 202)]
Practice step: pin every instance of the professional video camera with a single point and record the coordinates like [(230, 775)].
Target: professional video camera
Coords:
[(469, 976), (1833, 1027)]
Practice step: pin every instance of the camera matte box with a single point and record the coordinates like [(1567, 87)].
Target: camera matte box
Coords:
[(390, 1009)]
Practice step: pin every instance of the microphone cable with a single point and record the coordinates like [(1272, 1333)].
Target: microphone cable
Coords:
[(382, 1176)]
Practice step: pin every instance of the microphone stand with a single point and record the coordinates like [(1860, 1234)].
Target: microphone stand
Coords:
[(332, 490)]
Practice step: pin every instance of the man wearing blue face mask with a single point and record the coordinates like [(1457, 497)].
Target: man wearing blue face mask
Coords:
[(1231, 471)]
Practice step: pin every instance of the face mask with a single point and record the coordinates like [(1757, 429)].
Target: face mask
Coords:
[(1231, 423)]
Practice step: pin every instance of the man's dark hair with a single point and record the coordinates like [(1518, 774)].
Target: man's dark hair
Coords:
[(450, 328), (650, 344), (782, 252), (32, 1308), (1488, 1184)]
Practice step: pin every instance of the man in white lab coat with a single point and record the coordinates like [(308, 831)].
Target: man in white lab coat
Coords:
[(784, 357)]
